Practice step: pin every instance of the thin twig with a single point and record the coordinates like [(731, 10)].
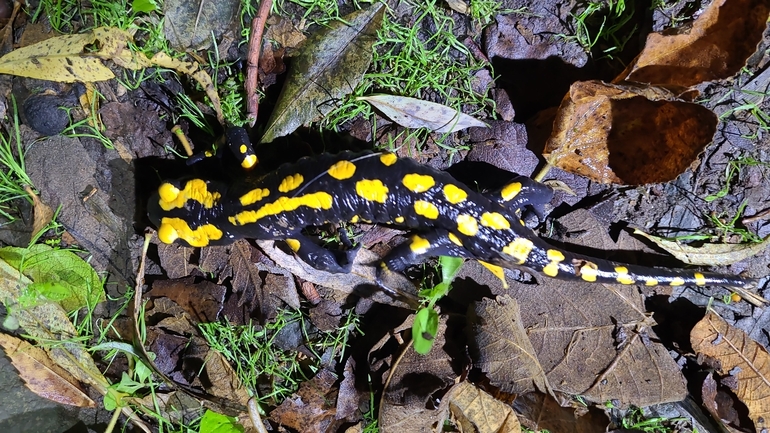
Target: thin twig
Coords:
[(252, 66)]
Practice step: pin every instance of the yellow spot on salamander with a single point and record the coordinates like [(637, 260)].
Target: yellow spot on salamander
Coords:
[(700, 279), (426, 209), (355, 219), (677, 281), (172, 229), (418, 182), (454, 194), (388, 159), (510, 191), (316, 200), (623, 276), (551, 269), (293, 244), (651, 282), (399, 219), (467, 225), (290, 182), (194, 189), (372, 190), (589, 271), (519, 249), (496, 271), (243, 149), (419, 245), (249, 161), (455, 240), (555, 255), (342, 170), (254, 196), (495, 220)]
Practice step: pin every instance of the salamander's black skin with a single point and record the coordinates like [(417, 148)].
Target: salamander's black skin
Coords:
[(447, 217)]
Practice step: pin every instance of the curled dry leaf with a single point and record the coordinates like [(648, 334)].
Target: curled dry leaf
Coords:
[(627, 134), (473, 410), (416, 113), (715, 47), (741, 357), (41, 375), (708, 254)]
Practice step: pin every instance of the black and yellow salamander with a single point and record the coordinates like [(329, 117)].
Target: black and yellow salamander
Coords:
[(446, 217)]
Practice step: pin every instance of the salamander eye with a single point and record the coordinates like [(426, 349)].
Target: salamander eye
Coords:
[(167, 233)]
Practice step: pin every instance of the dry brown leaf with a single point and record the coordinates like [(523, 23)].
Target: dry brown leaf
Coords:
[(715, 47), (708, 254), (311, 409), (43, 376), (473, 410), (417, 113), (413, 381), (627, 135), (539, 411), (502, 349), (43, 214), (590, 339), (739, 356), (458, 6)]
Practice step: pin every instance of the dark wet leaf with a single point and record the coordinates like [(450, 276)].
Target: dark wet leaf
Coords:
[(627, 135), (540, 411), (312, 408), (330, 66), (202, 300), (191, 26)]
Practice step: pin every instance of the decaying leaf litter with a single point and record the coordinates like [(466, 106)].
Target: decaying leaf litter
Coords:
[(533, 344)]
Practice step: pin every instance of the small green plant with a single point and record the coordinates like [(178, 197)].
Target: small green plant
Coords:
[(426, 320), (13, 175), (407, 61), (370, 421), (635, 420), (733, 168), (602, 22), (89, 127), (257, 360), (727, 225)]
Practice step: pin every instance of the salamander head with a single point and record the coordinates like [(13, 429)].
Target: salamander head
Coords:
[(190, 212)]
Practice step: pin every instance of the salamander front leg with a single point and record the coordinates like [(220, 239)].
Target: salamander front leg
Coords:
[(336, 262)]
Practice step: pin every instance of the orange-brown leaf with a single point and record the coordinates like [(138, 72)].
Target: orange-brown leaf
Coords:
[(626, 134), (715, 47), (41, 375), (741, 357)]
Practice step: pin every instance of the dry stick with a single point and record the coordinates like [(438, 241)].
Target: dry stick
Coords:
[(252, 68)]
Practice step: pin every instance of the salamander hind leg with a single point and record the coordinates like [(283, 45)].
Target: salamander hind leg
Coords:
[(419, 247)]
